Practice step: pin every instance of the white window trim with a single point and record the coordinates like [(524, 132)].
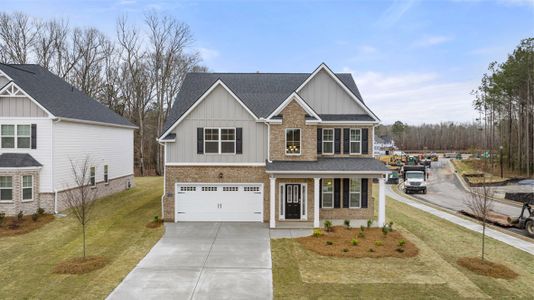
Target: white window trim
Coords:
[(92, 176), (351, 141), (22, 189), (360, 192), (15, 135), (300, 142), (323, 193), (106, 174), (332, 141), (219, 145), (10, 188)]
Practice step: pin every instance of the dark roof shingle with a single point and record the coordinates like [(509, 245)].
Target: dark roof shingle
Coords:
[(18, 160)]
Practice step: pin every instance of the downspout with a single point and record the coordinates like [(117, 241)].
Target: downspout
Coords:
[(57, 120), (55, 202), (164, 175)]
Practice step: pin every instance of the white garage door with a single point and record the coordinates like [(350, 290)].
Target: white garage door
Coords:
[(219, 202)]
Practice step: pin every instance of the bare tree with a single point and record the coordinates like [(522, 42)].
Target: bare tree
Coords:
[(17, 32), (80, 197), (480, 202)]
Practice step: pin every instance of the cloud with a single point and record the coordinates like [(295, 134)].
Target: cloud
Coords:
[(416, 98), (432, 41), (395, 12), (208, 54)]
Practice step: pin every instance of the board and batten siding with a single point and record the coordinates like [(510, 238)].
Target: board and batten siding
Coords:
[(105, 145), (20, 107), (43, 153), (325, 96), (218, 109)]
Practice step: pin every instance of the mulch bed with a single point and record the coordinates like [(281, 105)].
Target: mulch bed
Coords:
[(341, 243), (11, 226), (80, 265), (154, 224), (487, 268)]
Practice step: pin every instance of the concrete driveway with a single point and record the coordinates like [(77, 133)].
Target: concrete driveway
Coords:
[(204, 261)]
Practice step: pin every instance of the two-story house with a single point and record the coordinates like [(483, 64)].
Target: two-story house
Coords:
[(271, 147), (45, 124)]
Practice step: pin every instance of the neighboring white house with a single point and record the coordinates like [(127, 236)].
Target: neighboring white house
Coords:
[(383, 145), (45, 123)]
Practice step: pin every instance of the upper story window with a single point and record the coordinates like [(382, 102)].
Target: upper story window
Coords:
[(328, 141), (6, 188), (328, 192), (293, 141), (15, 136), (219, 140), (355, 141)]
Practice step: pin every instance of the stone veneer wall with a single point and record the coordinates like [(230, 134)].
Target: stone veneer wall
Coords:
[(28, 207)]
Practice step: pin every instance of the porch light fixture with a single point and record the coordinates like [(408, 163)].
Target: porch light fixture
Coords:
[(221, 175)]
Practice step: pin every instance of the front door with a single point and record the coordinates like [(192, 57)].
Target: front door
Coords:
[(293, 198)]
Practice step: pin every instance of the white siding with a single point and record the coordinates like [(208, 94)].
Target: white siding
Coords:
[(104, 145), (219, 109), (325, 96), (43, 153)]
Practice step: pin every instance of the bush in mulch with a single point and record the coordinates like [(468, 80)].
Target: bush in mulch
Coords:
[(15, 225), (155, 223), (80, 265), (487, 268)]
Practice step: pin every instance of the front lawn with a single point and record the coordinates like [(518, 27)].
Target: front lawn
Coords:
[(300, 273), (117, 232)]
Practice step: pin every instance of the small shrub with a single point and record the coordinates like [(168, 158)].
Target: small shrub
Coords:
[(361, 234), (354, 242), (399, 249), (35, 216), (379, 243), (156, 219), (40, 211), (20, 215), (369, 223), (362, 228), (328, 225), (402, 243), (385, 231), (329, 243), (371, 250), (347, 223), (317, 233), (390, 226), (345, 250), (14, 225), (2, 218)]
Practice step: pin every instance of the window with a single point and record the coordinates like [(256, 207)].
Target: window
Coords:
[(355, 141), (293, 141), (328, 193), (8, 136), (219, 140), (328, 141), (6, 188), (24, 134), (106, 177), (355, 193), (92, 179), (27, 187)]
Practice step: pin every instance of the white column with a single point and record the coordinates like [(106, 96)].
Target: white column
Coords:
[(316, 223), (381, 201), (272, 194)]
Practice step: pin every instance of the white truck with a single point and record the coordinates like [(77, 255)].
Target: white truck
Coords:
[(415, 179)]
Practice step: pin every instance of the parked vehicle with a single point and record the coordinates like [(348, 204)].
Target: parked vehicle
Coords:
[(393, 178), (525, 221), (415, 179)]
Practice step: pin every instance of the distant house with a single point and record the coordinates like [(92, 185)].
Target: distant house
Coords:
[(45, 123), (383, 145)]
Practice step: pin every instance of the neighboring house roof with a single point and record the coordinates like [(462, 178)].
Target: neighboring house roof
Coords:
[(386, 139), (59, 97), (262, 93), (18, 160), (333, 164), (378, 140)]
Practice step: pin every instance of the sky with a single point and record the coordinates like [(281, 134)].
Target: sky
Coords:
[(413, 61)]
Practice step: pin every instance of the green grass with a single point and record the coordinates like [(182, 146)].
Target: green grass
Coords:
[(298, 273), (117, 231)]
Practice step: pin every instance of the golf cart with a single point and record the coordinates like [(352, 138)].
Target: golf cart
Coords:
[(525, 222)]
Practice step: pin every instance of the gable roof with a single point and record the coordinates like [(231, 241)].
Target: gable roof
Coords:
[(59, 97), (262, 93)]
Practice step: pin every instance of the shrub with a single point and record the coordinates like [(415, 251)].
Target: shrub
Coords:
[(385, 230), (347, 223), (2, 218), (369, 223), (156, 219), (354, 242), (35, 216), (329, 243), (328, 225), (40, 211), (345, 250), (361, 234), (379, 243), (390, 226), (399, 249), (14, 225), (371, 250), (317, 233), (362, 228), (402, 243), (20, 215)]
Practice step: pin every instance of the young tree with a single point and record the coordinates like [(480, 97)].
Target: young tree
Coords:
[(480, 202), (80, 197)]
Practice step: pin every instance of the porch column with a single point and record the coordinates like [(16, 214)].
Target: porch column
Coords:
[(381, 201), (272, 195), (316, 189)]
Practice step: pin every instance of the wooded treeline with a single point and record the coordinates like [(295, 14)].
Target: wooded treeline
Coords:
[(137, 72)]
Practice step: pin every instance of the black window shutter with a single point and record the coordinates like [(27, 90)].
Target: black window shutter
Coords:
[(34, 136), (239, 140), (365, 141), (200, 140), (320, 193), (365, 195), (319, 140), (337, 194), (346, 140), (337, 140), (346, 195)]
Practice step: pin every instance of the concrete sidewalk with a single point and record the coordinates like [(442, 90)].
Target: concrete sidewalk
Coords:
[(495, 234)]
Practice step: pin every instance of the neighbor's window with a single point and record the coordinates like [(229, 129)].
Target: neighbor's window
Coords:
[(355, 141), (355, 193), (24, 134), (328, 141), (293, 141), (27, 187), (227, 140), (106, 177), (8, 136), (328, 193), (219, 140), (6, 188), (92, 176)]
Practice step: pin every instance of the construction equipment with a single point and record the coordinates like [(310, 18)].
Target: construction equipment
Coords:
[(525, 221), (414, 179)]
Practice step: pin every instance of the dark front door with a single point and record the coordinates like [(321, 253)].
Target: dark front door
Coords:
[(293, 198)]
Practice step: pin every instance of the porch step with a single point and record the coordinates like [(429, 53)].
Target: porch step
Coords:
[(294, 225)]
